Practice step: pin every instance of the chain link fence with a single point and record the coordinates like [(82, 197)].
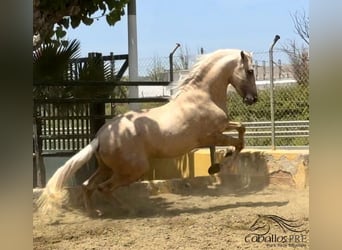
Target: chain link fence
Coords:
[(291, 95), (291, 102)]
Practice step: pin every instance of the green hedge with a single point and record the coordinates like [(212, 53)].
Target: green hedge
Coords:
[(290, 103)]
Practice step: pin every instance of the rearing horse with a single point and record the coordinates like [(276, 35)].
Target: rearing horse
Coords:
[(195, 117)]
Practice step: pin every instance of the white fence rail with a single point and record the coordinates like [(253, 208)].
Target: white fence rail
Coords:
[(261, 131)]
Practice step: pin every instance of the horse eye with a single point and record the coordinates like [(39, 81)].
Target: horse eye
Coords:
[(250, 71)]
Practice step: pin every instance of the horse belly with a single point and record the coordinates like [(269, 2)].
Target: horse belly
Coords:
[(172, 145), (183, 131)]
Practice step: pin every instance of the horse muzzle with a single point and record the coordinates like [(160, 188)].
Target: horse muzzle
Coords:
[(249, 99)]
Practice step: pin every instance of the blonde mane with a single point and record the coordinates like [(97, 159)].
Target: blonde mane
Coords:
[(196, 70), (201, 68), (194, 73)]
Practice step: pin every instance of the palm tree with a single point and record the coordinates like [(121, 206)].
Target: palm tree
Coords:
[(54, 64), (50, 65)]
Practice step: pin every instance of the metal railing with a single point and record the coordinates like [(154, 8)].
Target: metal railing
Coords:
[(257, 132)]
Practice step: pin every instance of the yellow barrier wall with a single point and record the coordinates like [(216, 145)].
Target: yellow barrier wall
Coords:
[(192, 164), (280, 167)]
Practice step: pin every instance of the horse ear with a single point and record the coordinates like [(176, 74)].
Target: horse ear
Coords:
[(242, 55)]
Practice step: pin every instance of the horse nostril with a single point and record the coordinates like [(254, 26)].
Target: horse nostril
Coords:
[(247, 100), (250, 99)]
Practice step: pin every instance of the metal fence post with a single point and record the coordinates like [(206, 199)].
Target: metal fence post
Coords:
[(133, 73), (276, 38), (171, 61), (39, 162)]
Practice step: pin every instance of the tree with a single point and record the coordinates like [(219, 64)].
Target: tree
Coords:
[(50, 64), (54, 63), (183, 59), (54, 17), (299, 56), (301, 23), (157, 72)]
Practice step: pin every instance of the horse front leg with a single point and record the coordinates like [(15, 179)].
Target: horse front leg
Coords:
[(227, 140), (241, 129)]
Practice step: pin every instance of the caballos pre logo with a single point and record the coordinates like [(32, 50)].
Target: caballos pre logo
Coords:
[(265, 229)]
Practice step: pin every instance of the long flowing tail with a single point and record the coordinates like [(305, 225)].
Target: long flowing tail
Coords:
[(54, 188)]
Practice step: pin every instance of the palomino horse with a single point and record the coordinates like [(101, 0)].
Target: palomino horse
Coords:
[(195, 117)]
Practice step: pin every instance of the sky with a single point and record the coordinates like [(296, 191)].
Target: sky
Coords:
[(244, 24)]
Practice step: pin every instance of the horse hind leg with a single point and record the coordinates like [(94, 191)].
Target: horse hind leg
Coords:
[(119, 179), (108, 188), (90, 185)]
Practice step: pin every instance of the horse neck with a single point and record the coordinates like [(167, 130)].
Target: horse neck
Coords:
[(212, 79), (216, 83)]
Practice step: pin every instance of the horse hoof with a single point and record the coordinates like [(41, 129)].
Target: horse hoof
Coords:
[(229, 153), (96, 213), (215, 168)]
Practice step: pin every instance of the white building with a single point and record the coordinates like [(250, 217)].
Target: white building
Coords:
[(153, 91)]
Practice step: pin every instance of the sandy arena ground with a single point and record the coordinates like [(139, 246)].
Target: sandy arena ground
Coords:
[(193, 218)]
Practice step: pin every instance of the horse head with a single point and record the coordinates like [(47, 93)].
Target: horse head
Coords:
[(243, 78), (262, 224)]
